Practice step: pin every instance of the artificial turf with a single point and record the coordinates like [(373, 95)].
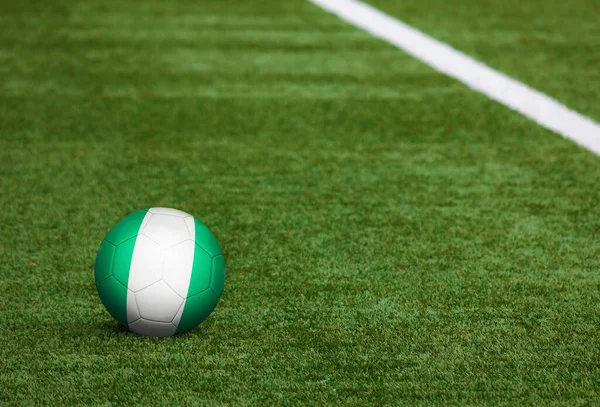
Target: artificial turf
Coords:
[(390, 236), (550, 45)]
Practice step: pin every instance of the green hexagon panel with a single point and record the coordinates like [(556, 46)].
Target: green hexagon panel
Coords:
[(104, 261), (114, 297), (122, 261), (201, 270), (127, 228), (196, 309), (206, 239), (217, 278)]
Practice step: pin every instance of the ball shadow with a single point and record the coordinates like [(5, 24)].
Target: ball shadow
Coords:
[(114, 327)]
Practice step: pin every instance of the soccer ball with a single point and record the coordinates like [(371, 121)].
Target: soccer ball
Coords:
[(159, 272)]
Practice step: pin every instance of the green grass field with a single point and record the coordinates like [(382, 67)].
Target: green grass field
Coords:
[(391, 237)]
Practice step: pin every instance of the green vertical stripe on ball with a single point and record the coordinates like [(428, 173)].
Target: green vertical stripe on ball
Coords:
[(114, 297), (201, 299), (113, 261), (127, 228), (197, 308), (206, 239), (104, 261), (217, 276), (122, 261), (200, 278)]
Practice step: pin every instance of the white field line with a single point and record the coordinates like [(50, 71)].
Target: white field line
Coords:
[(531, 103)]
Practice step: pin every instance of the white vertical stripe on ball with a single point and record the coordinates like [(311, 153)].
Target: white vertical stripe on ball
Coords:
[(178, 264), (164, 238)]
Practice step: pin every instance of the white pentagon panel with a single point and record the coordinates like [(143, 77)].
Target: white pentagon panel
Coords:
[(177, 267), (152, 328), (189, 221), (168, 211), (144, 221), (133, 314), (158, 302), (146, 264), (177, 318), (166, 230)]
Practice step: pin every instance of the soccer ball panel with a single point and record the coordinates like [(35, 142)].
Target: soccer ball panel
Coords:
[(122, 261), (200, 278), (197, 308), (205, 239), (166, 230), (133, 312), (146, 264), (104, 261), (152, 328), (158, 302), (177, 318), (114, 297), (217, 278), (127, 228), (190, 223), (177, 269), (169, 211)]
